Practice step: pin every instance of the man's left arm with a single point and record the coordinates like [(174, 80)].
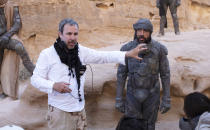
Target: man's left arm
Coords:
[(100, 57), (16, 23), (165, 79)]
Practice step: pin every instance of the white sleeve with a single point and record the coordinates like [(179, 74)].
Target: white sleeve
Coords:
[(39, 77), (100, 57)]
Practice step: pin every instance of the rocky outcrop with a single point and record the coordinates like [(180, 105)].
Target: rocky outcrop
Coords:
[(101, 21), (189, 61), (28, 112)]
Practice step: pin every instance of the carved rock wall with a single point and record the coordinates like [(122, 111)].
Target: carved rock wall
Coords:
[(101, 21)]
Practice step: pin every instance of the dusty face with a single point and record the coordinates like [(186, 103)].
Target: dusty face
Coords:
[(69, 35), (143, 35)]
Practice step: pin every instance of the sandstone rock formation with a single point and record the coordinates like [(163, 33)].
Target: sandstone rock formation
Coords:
[(189, 61), (28, 112)]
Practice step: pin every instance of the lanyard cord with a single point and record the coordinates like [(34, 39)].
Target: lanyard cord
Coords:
[(92, 89), (71, 72)]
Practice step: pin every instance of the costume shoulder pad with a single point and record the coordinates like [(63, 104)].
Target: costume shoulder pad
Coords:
[(164, 50)]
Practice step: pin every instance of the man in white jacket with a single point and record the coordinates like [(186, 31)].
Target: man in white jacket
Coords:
[(60, 73)]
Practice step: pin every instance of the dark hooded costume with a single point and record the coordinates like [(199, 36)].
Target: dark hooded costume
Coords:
[(143, 87), (10, 26), (163, 6)]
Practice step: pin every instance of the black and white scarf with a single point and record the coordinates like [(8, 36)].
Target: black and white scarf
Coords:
[(70, 58)]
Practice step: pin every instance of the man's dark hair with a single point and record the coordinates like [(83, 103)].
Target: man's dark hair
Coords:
[(195, 104), (67, 21)]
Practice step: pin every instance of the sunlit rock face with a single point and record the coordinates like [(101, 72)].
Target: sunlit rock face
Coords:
[(189, 61), (101, 22)]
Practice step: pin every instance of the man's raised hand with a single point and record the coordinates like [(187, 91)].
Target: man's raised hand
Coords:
[(135, 52)]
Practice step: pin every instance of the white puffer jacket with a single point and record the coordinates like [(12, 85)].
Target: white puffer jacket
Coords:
[(204, 122)]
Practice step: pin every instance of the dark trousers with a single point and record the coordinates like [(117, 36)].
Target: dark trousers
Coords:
[(146, 111), (164, 5)]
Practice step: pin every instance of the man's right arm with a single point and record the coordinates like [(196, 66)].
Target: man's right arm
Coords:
[(39, 77), (165, 80), (121, 80)]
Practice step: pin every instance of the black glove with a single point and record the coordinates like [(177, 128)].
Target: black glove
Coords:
[(120, 105), (184, 124), (165, 106)]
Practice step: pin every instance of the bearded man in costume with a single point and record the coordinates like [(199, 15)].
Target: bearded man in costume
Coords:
[(143, 87), (10, 24)]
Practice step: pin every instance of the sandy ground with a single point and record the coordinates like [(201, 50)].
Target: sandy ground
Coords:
[(102, 115)]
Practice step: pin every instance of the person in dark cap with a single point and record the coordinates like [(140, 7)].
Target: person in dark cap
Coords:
[(163, 5), (142, 98), (197, 112)]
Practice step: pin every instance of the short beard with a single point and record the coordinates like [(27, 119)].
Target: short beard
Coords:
[(146, 40)]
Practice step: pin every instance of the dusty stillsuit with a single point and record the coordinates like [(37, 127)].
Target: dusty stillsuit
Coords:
[(10, 23), (188, 124), (143, 87), (163, 6)]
